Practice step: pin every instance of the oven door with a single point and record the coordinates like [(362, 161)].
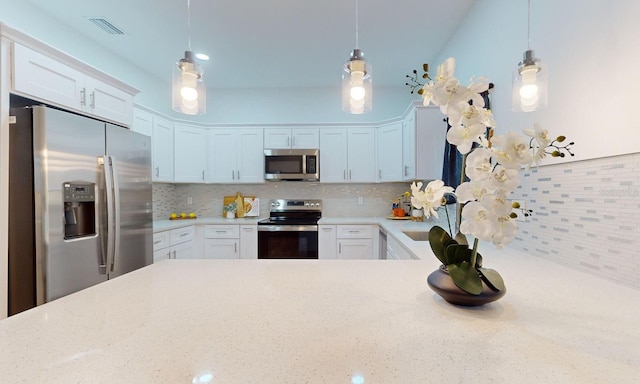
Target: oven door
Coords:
[(287, 241)]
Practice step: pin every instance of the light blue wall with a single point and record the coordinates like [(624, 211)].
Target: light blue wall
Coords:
[(590, 47)]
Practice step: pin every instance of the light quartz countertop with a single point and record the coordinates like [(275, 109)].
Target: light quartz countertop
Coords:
[(327, 321)]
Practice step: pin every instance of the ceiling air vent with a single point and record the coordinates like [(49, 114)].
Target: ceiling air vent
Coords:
[(106, 26)]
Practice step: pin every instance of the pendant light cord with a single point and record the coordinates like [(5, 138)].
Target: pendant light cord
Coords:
[(528, 24), (357, 45), (189, 21)]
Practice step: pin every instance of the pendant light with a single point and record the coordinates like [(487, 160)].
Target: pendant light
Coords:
[(189, 93), (356, 81), (529, 91)]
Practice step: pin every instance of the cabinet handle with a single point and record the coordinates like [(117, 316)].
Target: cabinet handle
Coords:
[(92, 97), (238, 174), (349, 174), (174, 254), (235, 247), (288, 141), (406, 170), (233, 175), (339, 247), (294, 141), (157, 171), (184, 234), (354, 231), (344, 174), (203, 175), (157, 242), (221, 231), (379, 173), (83, 96)]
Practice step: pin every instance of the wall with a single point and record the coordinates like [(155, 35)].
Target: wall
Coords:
[(585, 208), (339, 200)]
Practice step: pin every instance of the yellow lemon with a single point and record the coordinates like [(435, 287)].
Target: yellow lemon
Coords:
[(173, 216), (183, 214), (192, 214)]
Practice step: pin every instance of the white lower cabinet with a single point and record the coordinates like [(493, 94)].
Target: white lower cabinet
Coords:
[(327, 242), (230, 241), (395, 251), (357, 242), (174, 244)]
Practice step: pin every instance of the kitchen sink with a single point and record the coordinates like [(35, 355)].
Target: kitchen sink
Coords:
[(417, 235)]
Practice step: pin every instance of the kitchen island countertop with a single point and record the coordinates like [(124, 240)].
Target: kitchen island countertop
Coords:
[(327, 321)]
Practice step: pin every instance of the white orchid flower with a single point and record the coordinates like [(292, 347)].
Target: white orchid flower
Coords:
[(477, 221), (471, 191), (431, 198), (511, 150), (478, 165), (542, 140), (504, 179), (463, 137), (503, 226)]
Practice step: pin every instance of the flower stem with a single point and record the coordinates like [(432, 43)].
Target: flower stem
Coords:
[(463, 175), (474, 253)]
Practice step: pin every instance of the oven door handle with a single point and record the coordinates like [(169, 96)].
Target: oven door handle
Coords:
[(287, 228)]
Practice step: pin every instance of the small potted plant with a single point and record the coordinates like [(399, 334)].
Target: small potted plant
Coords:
[(230, 210)]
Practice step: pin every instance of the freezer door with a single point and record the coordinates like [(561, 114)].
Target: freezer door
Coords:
[(130, 155), (66, 152)]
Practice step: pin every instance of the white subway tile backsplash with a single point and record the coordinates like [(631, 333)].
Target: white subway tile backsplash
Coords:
[(586, 214)]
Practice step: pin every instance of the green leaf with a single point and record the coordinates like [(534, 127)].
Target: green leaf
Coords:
[(492, 278), (438, 239), (461, 239), (465, 277), (456, 254)]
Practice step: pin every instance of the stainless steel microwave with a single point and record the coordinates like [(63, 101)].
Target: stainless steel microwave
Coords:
[(292, 164)]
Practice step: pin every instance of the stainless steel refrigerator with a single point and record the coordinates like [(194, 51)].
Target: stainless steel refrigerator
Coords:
[(80, 204)]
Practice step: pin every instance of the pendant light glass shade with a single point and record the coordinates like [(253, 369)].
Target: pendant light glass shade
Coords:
[(356, 84), (529, 92), (189, 93)]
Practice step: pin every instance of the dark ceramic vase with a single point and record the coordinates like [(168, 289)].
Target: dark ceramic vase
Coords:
[(441, 283)]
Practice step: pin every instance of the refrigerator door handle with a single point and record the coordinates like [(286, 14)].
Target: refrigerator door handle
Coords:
[(108, 233), (116, 213)]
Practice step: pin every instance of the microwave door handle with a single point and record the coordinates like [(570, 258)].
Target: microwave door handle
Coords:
[(116, 213)]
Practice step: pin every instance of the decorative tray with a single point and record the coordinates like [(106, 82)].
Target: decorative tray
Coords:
[(182, 218), (398, 218)]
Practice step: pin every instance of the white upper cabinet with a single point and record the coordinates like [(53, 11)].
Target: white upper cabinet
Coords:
[(162, 141), (41, 77), (347, 155), (285, 138), (190, 154), (235, 155), (390, 152), (431, 135), (409, 146), (142, 122)]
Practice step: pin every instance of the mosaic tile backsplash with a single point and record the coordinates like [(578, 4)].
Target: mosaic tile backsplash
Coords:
[(586, 215)]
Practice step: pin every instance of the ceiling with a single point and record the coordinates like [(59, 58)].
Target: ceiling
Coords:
[(269, 43)]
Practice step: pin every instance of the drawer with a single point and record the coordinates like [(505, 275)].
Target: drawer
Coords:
[(181, 235), (161, 240), (221, 231), (355, 231)]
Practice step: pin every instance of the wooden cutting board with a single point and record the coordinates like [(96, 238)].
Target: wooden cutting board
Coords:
[(239, 200)]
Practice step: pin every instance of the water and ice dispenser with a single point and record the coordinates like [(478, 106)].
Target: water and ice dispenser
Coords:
[(79, 210)]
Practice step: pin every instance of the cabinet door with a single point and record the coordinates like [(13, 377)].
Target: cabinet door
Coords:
[(305, 138), (327, 245), (277, 138), (142, 122), (190, 150), (333, 155), (221, 155), (248, 241), (352, 249), (431, 134), (409, 146), (43, 78), (249, 156), (109, 102), (361, 155), (390, 152), (183, 251), (221, 249), (162, 141)]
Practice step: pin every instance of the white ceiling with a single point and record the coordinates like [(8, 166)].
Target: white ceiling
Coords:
[(269, 43)]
